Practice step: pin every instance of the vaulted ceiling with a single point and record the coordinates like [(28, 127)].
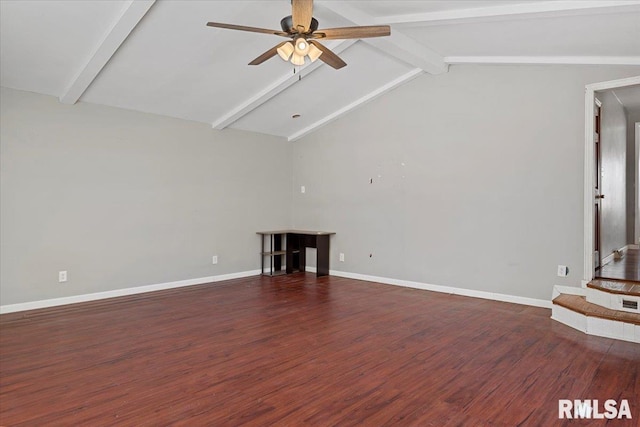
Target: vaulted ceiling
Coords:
[(159, 56)]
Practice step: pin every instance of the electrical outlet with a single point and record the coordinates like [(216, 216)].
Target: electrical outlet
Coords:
[(62, 276), (214, 259), (302, 189), (563, 271), (341, 257)]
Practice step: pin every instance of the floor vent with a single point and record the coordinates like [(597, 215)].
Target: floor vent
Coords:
[(630, 304)]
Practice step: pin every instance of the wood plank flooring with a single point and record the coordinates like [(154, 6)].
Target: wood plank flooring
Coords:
[(300, 350), (627, 268)]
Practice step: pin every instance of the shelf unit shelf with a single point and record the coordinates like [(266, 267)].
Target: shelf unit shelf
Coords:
[(274, 253)]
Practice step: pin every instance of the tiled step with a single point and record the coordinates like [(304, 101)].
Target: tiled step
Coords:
[(615, 295), (592, 319)]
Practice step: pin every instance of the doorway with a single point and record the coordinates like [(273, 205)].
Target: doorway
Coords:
[(593, 256)]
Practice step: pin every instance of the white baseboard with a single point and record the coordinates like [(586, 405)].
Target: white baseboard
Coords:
[(612, 256), (444, 289), (606, 260), (12, 308), (570, 290)]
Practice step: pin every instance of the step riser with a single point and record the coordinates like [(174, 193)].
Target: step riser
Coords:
[(596, 326), (612, 301)]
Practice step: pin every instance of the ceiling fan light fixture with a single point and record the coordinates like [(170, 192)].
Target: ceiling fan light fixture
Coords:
[(297, 59), (302, 46), (300, 28), (285, 51), (314, 53)]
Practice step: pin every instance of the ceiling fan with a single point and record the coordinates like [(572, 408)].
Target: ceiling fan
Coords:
[(302, 28)]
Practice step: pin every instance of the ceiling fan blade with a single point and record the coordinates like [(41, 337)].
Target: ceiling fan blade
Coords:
[(267, 55), (302, 12), (353, 32), (327, 56), (250, 29)]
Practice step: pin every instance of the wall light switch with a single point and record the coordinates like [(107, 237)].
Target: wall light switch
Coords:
[(563, 271), (302, 189)]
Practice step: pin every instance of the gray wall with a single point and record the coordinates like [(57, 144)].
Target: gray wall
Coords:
[(477, 183), (122, 199), (613, 149), (477, 179)]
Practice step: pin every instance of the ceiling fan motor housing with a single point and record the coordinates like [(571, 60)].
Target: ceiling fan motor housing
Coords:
[(287, 25)]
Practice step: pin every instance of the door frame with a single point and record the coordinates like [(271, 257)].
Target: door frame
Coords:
[(597, 185), (636, 237), (589, 167)]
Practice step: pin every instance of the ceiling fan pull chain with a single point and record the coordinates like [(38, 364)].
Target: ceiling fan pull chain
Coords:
[(294, 72)]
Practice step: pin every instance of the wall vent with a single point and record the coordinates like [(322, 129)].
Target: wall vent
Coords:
[(629, 304)]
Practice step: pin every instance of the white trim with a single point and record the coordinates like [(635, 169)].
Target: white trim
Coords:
[(596, 326), (606, 260), (12, 308), (588, 189), (614, 84), (131, 15), (445, 289), (610, 300), (570, 318), (559, 60), (613, 329), (636, 129), (528, 10), (368, 97), (274, 89)]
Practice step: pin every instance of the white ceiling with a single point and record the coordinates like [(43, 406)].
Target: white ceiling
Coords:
[(158, 56)]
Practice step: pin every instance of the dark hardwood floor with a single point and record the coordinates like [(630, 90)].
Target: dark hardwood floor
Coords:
[(297, 350), (627, 268)]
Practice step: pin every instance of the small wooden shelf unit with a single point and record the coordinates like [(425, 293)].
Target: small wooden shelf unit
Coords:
[(284, 251)]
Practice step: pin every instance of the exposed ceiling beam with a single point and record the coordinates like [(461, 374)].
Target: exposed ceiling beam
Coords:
[(561, 60), (368, 97), (397, 44), (533, 9), (410, 51), (132, 13), (274, 89)]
